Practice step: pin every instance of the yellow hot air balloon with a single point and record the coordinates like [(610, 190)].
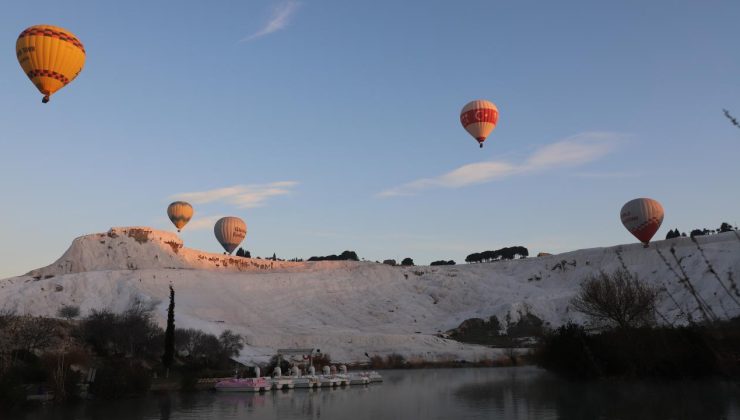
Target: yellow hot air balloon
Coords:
[(230, 232), (50, 56), (180, 213)]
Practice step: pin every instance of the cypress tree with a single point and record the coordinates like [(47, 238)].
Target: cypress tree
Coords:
[(169, 334)]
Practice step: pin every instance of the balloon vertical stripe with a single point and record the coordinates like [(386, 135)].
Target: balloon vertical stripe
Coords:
[(642, 217), (180, 213), (230, 232)]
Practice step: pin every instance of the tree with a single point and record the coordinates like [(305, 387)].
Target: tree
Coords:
[(69, 311), (443, 262), (407, 261), (697, 232), (241, 252), (618, 299), (208, 350), (25, 332), (673, 234), (137, 334), (726, 227), (349, 256), (169, 334), (389, 262), (344, 256), (231, 344), (99, 331)]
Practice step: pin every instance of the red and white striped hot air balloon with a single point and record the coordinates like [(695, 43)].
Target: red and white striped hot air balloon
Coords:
[(642, 217), (479, 118)]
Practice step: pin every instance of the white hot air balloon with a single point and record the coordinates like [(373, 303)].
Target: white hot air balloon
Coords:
[(230, 232)]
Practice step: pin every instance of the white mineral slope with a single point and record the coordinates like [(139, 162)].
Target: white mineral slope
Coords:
[(351, 308)]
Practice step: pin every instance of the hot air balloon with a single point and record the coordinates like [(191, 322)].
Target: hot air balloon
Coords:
[(230, 232), (50, 56), (642, 217), (479, 118), (180, 213)]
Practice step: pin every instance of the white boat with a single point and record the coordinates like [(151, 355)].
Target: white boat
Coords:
[(333, 380), (309, 381), (283, 382), (374, 376), (358, 378), (244, 385)]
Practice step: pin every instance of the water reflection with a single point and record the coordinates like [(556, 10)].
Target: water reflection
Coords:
[(523, 393), (510, 393)]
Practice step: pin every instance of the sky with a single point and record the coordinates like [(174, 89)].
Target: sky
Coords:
[(333, 125)]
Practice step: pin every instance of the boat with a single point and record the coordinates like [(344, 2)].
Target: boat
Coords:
[(308, 381), (359, 378), (244, 385), (283, 382), (331, 381), (374, 376)]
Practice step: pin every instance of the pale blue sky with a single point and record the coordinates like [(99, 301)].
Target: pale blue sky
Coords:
[(339, 121)]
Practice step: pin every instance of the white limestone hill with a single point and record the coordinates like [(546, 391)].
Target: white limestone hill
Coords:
[(348, 309)]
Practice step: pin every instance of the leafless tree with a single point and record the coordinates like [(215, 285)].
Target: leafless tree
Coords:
[(34, 333), (617, 299)]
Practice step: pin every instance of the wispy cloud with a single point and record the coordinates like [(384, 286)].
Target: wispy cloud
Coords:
[(608, 175), (200, 223), (242, 196), (280, 18), (572, 151)]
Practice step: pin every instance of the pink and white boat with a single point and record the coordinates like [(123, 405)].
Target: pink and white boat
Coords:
[(244, 385)]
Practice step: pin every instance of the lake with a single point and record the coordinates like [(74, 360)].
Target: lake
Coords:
[(475, 393)]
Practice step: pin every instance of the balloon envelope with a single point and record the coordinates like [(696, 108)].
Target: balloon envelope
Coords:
[(230, 232), (180, 213), (479, 118), (50, 56), (642, 217)]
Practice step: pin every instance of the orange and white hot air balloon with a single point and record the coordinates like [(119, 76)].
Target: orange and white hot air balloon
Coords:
[(479, 118), (50, 56), (642, 217)]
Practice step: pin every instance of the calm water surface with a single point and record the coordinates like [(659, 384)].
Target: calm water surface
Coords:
[(497, 393)]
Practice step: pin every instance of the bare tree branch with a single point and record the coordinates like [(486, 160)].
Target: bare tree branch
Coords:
[(732, 119), (618, 299)]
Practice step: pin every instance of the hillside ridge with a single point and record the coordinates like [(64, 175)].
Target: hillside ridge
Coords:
[(352, 308)]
